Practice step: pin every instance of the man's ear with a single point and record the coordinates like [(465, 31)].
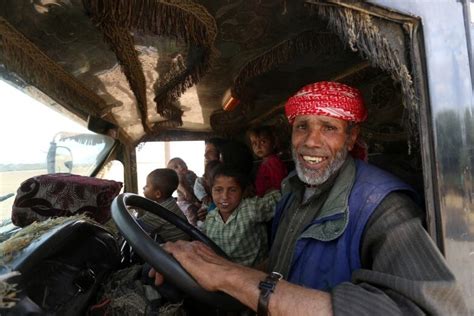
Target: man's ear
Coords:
[(353, 134)]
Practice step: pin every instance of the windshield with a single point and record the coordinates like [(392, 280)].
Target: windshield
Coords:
[(37, 140)]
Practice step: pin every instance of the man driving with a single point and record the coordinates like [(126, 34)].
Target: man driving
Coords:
[(348, 238)]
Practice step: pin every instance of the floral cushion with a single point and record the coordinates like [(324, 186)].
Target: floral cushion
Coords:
[(63, 194)]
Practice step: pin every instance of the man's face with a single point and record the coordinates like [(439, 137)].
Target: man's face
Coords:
[(319, 146), (210, 153)]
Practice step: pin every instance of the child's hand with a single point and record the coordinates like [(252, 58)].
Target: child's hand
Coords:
[(206, 200), (202, 213)]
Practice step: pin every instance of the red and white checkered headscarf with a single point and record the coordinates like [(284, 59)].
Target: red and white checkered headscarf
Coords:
[(329, 99)]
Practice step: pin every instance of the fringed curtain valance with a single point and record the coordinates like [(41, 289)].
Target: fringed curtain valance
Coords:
[(22, 57), (183, 20), (360, 31)]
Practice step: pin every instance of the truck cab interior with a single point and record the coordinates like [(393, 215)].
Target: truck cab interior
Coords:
[(143, 71)]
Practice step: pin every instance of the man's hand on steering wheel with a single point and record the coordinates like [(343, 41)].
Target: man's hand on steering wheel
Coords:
[(199, 260), (199, 257)]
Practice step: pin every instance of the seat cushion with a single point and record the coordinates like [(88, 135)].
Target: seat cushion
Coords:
[(63, 194)]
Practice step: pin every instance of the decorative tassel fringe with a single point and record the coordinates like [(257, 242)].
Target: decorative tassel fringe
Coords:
[(121, 42), (23, 58), (304, 42), (361, 34), (175, 18)]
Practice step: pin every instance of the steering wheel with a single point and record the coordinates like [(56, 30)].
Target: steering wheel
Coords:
[(161, 260)]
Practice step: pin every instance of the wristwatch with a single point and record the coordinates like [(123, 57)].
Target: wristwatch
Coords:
[(267, 287)]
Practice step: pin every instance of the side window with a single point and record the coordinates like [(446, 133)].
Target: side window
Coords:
[(37, 140), (470, 24), (152, 155), (471, 12), (113, 170)]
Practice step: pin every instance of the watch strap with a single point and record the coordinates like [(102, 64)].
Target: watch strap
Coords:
[(267, 287)]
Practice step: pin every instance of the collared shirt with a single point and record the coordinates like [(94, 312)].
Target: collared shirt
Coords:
[(168, 232), (293, 223), (402, 272), (244, 236)]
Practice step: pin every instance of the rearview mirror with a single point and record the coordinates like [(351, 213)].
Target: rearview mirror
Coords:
[(59, 159)]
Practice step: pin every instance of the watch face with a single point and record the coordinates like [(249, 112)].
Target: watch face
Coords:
[(270, 281), (276, 275)]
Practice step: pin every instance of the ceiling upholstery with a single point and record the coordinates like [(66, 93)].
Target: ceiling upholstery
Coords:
[(157, 67)]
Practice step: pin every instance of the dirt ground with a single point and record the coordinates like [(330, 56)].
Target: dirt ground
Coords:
[(9, 183)]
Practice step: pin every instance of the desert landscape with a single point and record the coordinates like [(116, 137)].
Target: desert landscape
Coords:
[(9, 183)]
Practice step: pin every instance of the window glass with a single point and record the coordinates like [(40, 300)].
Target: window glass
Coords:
[(36, 139), (152, 155), (113, 170), (471, 11)]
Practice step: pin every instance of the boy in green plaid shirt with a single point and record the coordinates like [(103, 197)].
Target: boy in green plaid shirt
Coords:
[(238, 225)]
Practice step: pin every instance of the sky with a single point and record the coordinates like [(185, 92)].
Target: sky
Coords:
[(151, 156), (26, 140), (32, 133)]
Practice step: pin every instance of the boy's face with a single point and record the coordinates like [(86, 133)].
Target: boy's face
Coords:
[(179, 167), (210, 153), (226, 194), (150, 192), (262, 146)]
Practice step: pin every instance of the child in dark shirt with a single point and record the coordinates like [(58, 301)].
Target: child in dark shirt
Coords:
[(160, 185), (212, 154), (271, 170)]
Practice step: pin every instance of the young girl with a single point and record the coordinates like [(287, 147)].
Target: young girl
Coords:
[(272, 170), (212, 153), (187, 201), (238, 225)]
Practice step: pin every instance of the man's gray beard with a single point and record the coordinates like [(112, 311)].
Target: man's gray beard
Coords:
[(318, 177)]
